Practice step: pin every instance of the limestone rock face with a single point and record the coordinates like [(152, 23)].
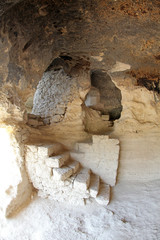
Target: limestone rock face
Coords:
[(15, 188), (141, 110), (11, 109)]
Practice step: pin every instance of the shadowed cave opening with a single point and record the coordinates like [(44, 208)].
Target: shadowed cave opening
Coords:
[(104, 96)]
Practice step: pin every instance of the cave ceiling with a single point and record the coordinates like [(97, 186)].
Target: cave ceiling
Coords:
[(99, 32)]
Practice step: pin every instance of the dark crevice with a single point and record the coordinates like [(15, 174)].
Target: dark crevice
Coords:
[(65, 57), (27, 45), (57, 64), (157, 57), (104, 96), (151, 85)]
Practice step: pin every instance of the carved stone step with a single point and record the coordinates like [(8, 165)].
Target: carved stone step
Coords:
[(82, 179), (66, 171), (74, 165), (57, 161), (49, 150), (94, 185), (104, 194), (62, 173)]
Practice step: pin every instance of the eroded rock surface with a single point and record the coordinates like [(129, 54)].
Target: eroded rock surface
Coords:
[(53, 93), (15, 188), (104, 32)]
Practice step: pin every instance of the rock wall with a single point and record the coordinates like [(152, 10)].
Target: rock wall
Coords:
[(139, 157), (102, 32), (15, 190), (141, 112), (54, 91)]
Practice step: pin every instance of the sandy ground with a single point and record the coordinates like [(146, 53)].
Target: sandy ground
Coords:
[(133, 213)]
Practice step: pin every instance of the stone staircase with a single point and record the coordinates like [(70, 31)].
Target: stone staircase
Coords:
[(57, 176)]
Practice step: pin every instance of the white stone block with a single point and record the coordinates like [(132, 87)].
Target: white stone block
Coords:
[(82, 179), (74, 165), (49, 150), (57, 161), (120, 67), (62, 173), (94, 185), (104, 194)]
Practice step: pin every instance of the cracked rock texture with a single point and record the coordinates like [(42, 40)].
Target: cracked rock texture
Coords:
[(104, 32), (15, 189), (53, 93)]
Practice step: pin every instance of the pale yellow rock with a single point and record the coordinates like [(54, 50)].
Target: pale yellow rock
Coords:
[(94, 123), (140, 110), (120, 67), (105, 117), (15, 188)]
